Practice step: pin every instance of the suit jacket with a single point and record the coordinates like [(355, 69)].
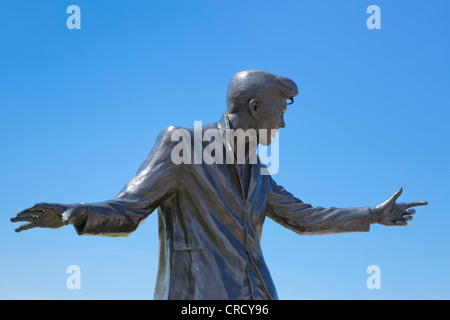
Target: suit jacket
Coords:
[(210, 222)]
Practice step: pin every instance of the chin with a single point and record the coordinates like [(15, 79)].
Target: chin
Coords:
[(265, 141), (265, 138)]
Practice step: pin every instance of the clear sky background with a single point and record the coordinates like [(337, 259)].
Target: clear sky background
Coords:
[(80, 110)]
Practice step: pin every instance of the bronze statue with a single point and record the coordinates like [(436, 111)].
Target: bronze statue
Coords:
[(211, 214)]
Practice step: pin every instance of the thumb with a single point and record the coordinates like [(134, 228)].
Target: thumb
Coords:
[(396, 195)]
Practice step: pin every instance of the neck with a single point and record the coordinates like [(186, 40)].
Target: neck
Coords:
[(241, 121)]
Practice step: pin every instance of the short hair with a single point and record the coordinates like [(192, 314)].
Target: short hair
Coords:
[(248, 84)]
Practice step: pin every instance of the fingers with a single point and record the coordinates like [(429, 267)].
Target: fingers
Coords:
[(39, 207), (31, 215), (403, 222), (416, 203), (23, 218), (43, 215), (25, 226), (36, 211), (407, 217)]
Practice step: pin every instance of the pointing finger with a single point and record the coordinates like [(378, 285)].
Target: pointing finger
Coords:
[(416, 203)]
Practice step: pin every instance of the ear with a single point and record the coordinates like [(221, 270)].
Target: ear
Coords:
[(253, 107)]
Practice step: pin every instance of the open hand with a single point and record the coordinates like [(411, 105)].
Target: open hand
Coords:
[(44, 215)]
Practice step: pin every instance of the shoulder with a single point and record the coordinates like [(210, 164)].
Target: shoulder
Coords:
[(169, 131), (174, 133), (170, 134)]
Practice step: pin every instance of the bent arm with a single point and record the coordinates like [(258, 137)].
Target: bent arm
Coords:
[(302, 218)]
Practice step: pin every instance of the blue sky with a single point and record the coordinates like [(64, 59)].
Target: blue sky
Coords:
[(82, 108)]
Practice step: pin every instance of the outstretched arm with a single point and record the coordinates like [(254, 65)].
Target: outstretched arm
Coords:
[(157, 180), (390, 213), (305, 219)]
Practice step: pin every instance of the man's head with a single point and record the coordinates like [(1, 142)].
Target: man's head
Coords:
[(260, 97)]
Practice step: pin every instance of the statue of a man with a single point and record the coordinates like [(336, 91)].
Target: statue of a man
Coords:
[(211, 215)]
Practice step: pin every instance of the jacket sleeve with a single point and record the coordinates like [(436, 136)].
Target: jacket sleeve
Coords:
[(302, 218), (156, 181)]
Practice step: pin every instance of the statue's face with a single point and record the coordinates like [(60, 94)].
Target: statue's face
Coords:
[(268, 112)]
